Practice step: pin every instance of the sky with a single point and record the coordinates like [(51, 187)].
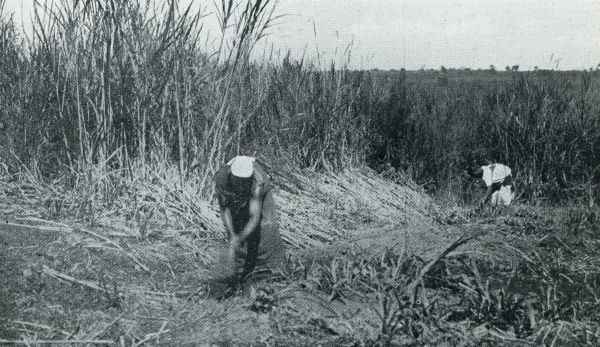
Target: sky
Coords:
[(414, 34)]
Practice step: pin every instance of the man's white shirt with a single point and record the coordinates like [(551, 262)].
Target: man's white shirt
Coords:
[(495, 173)]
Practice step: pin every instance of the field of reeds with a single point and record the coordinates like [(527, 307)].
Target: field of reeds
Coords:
[(115, 114), (105, 88)]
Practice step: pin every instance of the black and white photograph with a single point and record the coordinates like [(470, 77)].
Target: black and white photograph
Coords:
[(299, 173)]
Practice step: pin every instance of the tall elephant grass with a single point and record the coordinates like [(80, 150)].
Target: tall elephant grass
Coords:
[(105, 91), (544, 124)]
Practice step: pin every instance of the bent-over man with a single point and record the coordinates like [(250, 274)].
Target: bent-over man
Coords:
[(245, 195), (498, 180)]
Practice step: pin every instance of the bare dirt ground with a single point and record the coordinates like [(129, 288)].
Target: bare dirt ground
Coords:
[(531, 277)]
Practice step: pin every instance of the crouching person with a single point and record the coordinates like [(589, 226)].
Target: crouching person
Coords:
[(248, 211), (498, 181)]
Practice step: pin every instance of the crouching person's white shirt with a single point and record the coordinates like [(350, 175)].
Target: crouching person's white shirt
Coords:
[(496, 173)]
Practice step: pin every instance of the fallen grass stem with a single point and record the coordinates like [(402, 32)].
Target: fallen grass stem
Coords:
[(153, 336), (53, 273), (136, 260), (36, 325), (105, 328), (56, 342)]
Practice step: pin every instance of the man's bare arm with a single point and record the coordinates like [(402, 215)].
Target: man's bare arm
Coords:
[(227, 221), (255, 209)]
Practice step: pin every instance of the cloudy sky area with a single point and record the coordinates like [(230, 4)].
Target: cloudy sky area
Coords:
[(413, 34)]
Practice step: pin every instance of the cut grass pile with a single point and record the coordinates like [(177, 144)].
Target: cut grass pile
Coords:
[(314, 208)]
